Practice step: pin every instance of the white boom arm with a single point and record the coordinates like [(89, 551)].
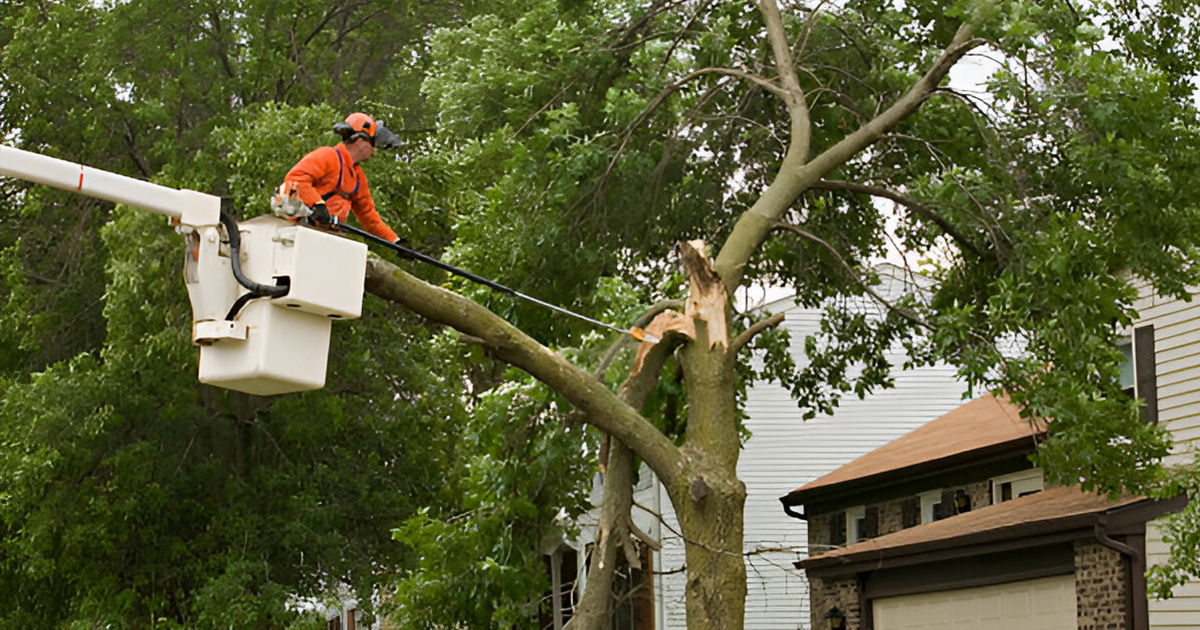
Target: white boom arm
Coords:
[(190, 207), (262, 342)]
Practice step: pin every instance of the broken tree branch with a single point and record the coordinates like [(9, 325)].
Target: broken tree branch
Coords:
[(757, 327), (615, 526)]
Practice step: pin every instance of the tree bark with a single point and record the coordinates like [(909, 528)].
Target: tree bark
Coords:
[(613, 531)]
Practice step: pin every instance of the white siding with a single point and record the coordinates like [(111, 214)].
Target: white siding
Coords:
[(1177, 365), (784, 453)]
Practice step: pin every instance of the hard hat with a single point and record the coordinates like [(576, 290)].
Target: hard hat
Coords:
[(359, 125)]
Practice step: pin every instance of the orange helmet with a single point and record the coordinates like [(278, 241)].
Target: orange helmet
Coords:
[(359, 125)]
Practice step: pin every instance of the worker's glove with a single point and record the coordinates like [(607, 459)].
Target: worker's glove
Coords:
[(320, 214)]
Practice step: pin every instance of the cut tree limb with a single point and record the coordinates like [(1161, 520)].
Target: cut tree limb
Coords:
[(602, 407)]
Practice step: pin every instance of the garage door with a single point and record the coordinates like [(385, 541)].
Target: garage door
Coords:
[(1042, 604)]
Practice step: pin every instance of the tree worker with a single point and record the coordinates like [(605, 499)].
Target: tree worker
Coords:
[(330, 182)]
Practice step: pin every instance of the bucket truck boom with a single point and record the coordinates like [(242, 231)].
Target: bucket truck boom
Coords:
[(263, 293)]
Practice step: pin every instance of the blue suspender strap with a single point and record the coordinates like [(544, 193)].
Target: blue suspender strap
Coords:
[(338, 187)]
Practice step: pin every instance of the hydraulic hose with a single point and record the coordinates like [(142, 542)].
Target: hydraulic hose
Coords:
[(255, 289)]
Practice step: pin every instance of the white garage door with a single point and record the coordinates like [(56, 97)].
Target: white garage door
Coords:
[(1043, 604)]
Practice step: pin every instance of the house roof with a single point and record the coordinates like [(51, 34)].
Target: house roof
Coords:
[(985, 423), (1055, 510)]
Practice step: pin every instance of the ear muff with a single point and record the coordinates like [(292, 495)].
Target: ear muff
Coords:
[(356, 126)]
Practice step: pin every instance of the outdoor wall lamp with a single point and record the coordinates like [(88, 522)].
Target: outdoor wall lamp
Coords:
[(962, 502), (836, 619)]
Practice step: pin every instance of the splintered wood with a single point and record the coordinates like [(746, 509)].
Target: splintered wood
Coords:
[(706, 302)]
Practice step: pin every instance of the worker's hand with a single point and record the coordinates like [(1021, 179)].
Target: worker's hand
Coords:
[(320, 214)]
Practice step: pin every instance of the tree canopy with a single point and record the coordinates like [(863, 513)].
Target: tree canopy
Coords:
[(566, 148)]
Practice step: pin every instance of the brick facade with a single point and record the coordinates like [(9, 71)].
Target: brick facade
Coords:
[(891, 514), (842, 593), (1100, 572), (1099, 587)]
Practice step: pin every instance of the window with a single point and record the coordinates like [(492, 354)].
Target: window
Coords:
[(855, 522), (1016, 485), (633, 593), (931, 506), (559, 604), (837, 529), (862, 523), (1139, 372)]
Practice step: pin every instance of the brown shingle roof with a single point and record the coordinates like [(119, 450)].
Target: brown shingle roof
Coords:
[(983, 422), (1054, 510)]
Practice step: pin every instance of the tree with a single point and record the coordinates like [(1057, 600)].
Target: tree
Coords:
[(131, 496), (605, 133), (578, 144)]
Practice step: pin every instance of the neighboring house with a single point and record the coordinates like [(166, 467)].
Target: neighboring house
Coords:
[(950, 526), (344, 615), (1165, 348), (782, 450)]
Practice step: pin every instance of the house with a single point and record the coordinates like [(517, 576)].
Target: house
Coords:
[(782, 446), (950, 526), (1165, 356)]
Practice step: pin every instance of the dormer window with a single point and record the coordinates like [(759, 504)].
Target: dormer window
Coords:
[(1016, 485), (931, 506), (855, 520), (862, 523)]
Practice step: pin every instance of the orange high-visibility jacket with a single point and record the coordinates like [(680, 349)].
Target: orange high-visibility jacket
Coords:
[(329, 174)]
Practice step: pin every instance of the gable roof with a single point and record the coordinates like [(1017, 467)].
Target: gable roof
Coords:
[(987, 423), (1051, 511)]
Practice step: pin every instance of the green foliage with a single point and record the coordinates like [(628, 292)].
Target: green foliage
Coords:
[(575, 143), (590, 149), (522, 479), (132, 493), (130, 496)]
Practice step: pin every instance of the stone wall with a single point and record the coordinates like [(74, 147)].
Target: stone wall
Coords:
[(842, 593), (891, 515), (1099, 586)]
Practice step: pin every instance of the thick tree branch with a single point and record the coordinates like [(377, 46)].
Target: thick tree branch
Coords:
[(913, 205), (795, 176), (754, 329), (603, 408), (792, 94), (615, 525)]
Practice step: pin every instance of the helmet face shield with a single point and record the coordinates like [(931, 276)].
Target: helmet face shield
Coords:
[(385, 138)]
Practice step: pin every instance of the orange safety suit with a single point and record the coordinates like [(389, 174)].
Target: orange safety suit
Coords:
[(328, 174)]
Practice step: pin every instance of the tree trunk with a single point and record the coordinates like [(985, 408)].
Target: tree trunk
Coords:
[(709, 498)]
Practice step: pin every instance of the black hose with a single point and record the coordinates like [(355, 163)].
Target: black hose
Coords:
[(255, 289), (239, 303)]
